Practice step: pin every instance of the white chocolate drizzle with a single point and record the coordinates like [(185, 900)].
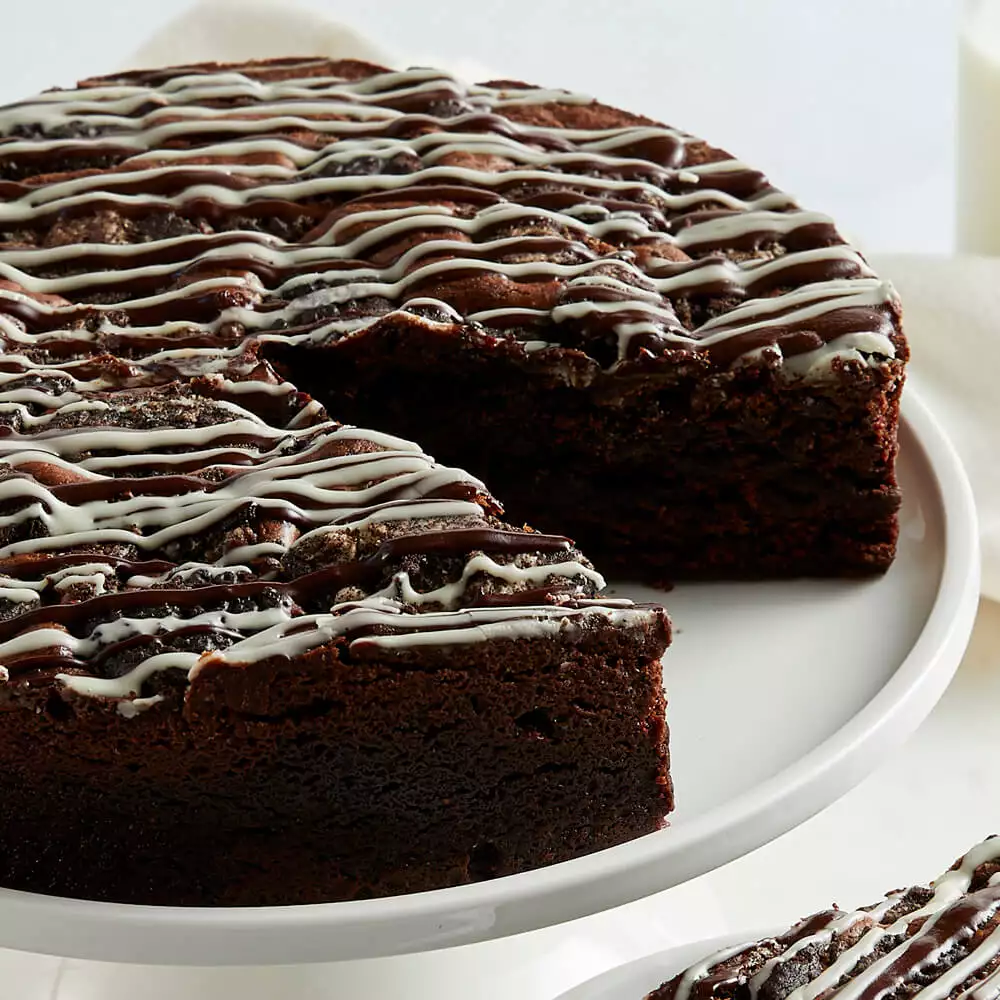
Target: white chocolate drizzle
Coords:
[(72, 480), (176, 153)]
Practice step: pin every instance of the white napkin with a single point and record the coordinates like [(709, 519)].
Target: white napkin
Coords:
[(237, 30), (951, 314), (951, 305)]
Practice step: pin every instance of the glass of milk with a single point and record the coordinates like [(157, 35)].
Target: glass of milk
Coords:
[(978, 165)]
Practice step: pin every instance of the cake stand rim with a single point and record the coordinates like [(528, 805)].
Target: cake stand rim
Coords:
[(514, 904)]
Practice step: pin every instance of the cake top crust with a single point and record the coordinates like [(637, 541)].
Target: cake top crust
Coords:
[(311, 202)]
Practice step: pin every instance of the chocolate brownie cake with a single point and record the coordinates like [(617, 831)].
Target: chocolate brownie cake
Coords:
[(634, 338), (254, 654), (941, 941)]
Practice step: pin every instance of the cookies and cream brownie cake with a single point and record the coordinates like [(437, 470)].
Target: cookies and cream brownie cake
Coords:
[(633, 337), (941, 942), (253, 653)]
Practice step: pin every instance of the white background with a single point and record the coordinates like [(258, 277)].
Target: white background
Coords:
[(850, 104)]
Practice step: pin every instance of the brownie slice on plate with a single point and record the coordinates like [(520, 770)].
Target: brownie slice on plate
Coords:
[(256, 656)]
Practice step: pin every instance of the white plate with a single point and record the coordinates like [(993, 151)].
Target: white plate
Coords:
[(782, 697), (635, 979)]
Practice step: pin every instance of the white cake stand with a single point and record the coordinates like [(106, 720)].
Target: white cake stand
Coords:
[(782, 697)]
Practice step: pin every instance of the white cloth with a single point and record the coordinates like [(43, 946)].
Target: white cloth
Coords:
[(951, 304), (236, 30), (951, 314)]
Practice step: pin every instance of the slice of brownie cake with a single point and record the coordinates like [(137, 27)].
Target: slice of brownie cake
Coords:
[(940, 941), (255, 656)]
